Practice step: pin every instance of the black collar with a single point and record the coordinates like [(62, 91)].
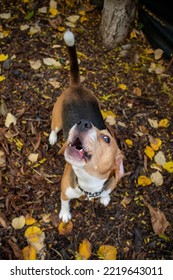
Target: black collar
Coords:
[(90, 194), (96, 194)]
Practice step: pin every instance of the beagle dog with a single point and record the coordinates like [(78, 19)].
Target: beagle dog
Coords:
[(94, 163)]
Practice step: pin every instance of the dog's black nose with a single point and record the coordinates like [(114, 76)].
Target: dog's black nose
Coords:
[(84, 125)]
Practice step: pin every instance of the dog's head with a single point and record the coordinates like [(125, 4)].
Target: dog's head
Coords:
[(94, 150)]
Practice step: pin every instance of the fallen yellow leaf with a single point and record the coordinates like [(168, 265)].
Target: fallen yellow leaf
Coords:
[(29, 253), (3, 57), (53, 11), (122, 86), (133, 34), (33, 234), (82, 13), (107, 252), (2, 78), (164, 123), (149, 152), (168, 166), (83, 18), (129, 143), (29, 220), (65, 228), (81, 55), (144, 181), (61, 28), (85, 249), (105, 114), (155, 144)]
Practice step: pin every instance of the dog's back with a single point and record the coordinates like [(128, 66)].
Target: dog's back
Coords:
[(81, 104)]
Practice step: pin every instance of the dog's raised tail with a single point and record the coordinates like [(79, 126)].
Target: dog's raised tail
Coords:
[(74, 67)]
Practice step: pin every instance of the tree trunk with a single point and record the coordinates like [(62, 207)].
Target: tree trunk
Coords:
[(117, 16)]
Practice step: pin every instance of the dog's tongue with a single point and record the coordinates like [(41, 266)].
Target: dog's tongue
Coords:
[(81, 153), (76, 152)]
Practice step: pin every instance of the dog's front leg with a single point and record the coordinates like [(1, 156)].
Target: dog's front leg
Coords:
[(105, 198), (65, 214), (56, 124)]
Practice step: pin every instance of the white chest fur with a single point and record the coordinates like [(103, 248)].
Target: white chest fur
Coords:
[(88, 182)]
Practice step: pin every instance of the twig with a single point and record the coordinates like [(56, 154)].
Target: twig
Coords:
[(49, 181), (35, 120)]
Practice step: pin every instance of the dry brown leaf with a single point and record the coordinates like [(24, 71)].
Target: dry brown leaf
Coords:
[(35, 64), (16, 250), (160, 158), (73, 18), (125, 201), (153, 123), (10, 119), (3, 220), (158, 54), (5, 15), (19, 222), (49, 61), (46, 217), (137, 91), (43, 10), (54, 83), (35, 29), (3, 108), (157, 178), (2, 159), (33, 157), (158, 219)]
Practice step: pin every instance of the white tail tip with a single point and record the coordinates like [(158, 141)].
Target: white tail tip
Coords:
[(69, 38)]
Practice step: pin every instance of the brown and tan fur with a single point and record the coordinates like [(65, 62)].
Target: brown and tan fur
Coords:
[(94, 163)]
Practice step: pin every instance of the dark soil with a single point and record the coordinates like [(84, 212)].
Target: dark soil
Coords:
[(27, 187)]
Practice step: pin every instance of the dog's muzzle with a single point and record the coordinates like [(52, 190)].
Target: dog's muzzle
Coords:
[(77, 151)]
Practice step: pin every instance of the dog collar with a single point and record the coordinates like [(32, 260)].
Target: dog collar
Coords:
[(96, 194), (90, 194)]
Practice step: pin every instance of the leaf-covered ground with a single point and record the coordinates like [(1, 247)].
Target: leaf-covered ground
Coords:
[(134, 85)]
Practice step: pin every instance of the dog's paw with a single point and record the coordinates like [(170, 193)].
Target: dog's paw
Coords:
[(105, 200), (65, 216), (52, 137)]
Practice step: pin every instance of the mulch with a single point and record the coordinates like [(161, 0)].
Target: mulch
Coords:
[(34, 188)]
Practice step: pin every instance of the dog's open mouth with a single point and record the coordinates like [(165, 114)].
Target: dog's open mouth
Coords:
[(76, 149)]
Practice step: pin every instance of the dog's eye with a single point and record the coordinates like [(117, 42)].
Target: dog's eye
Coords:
[(106, 138)]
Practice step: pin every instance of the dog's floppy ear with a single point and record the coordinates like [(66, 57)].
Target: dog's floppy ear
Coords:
[(119, 168), (62, 150), (111, 130)]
